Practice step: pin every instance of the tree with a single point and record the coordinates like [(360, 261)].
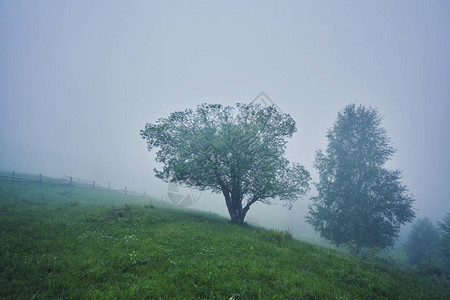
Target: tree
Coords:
[(359, 202), (444, 243), (421, 244), (237, 151)]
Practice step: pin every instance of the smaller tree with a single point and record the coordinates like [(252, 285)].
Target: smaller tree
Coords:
[(359, 202), (421, 244)]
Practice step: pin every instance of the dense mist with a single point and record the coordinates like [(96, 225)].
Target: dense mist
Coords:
[(79, 80)]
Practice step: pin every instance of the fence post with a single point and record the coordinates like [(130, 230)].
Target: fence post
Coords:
[(93, 184), (12, 177), (125, 190), (144, 193), (70, 180), (40, 179), (109, 186)]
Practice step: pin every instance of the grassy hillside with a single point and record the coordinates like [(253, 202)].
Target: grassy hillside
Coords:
[(69, 242)]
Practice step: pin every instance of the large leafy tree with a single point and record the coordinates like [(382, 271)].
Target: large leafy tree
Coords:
[(237, 151), (359, 202)]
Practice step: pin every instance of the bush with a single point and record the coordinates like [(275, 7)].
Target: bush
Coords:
[(277, 237)]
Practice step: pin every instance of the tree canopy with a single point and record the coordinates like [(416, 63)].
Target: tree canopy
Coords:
[(359, 202), (237, 151)]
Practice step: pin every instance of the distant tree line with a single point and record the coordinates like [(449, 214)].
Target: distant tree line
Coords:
[(428, 246)]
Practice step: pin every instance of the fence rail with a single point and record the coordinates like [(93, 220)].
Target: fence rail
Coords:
[(66, 180)]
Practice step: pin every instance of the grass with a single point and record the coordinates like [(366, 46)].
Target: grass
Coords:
[(78, 243)]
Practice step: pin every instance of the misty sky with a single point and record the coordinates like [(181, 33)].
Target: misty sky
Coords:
[(79, 79)]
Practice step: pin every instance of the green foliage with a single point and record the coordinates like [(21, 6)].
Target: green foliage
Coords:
[(110, 246), (237, 151), (359, 202), (421, 244)]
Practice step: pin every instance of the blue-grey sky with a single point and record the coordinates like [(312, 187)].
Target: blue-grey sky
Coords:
[(79, 79)]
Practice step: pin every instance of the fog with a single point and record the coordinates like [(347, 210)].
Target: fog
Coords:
[(80, 79)]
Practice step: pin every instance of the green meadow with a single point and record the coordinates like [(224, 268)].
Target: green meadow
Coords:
[(67, 242)]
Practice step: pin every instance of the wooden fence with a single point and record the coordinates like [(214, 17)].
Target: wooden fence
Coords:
[(66, 180)]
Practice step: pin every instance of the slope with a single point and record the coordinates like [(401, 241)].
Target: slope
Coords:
[(79, 243)]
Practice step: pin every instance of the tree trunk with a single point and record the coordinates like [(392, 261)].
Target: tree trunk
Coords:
[(237, 218), (234, 203), (235, 210)]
